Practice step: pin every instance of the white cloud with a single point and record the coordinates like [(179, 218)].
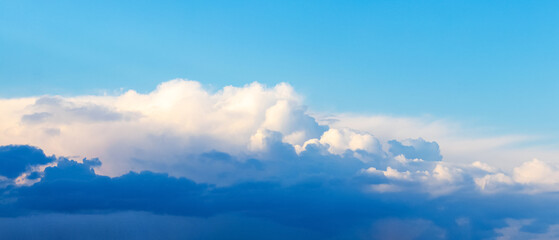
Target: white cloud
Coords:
[(458, 144), (440, 179), (390, 173), (537, 176), (483, 166), (536, 172), (493, 182), (340, 140), (169, 126), (178, 118)]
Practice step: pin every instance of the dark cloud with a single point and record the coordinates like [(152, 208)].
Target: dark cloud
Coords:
[(17, 159), (143, 226), (75, 187), (416, 148), (325, 199)]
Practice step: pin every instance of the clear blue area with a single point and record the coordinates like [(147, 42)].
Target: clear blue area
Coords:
[(493, 63)]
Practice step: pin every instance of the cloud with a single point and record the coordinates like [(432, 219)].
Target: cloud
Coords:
[(515, 230), (57, 110), (161, 129), (257, 154), (72, 187), (536, 172), (416, 149), (341, 140), (318, 195), (458, 143), (18, 159), (177, 119), (259, 132)]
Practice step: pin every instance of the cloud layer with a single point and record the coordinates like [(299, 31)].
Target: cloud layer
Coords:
[(327, 203), (256, 154)]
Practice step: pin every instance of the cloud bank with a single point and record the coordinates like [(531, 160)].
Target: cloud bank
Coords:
[(257, 155)]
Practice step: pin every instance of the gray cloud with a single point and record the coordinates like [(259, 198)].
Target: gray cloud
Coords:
[(314, 196), (58, 110)]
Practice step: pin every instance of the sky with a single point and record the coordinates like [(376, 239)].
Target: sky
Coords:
[(487, 63), (279, 119)]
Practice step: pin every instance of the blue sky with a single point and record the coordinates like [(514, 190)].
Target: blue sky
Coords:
[(483, 63), (279, 120)]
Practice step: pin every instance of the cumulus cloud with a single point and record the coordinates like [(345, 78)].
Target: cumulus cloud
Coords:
[(341, 140), (18, 159), (436, 180), (177, 119), (163, 128), (536, 172), (257, 152), (172, 128)]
